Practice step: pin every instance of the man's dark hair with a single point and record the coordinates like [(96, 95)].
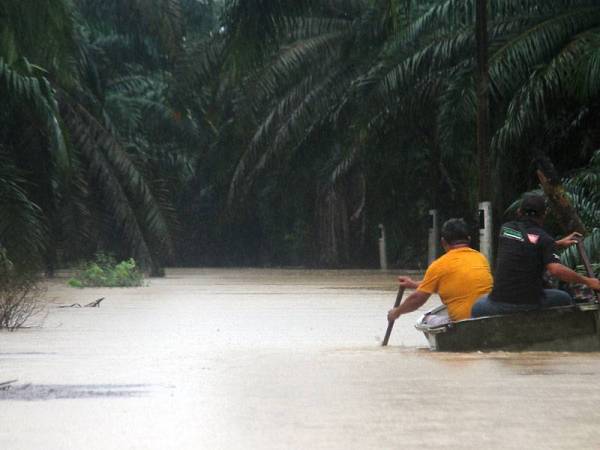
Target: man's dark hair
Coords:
[(456, 231), (533, 205)]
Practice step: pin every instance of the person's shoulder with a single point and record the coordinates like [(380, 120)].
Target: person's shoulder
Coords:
[(512, 224), (536, 234), (473, 252), (443, 262), (512, 230), (438, 263), (470, 254)]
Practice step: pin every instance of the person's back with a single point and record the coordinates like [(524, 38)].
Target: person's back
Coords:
[(524, 249), (460, 277)]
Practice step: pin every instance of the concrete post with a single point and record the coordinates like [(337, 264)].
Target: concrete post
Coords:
[(485, 229), (434, 236), (382, 249)]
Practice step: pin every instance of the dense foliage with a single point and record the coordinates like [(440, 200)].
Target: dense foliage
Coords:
[(277, 132)]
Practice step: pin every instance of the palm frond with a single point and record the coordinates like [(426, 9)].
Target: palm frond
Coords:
[(274, 22), (537, 44), (292, 128), (122, 183), (264, 19), (588, 70), (23, 231), (294, 61), (545, 84), (42, 32), (433, 58), (38, 94)]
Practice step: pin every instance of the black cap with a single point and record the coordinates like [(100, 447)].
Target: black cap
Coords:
[(533, 205)]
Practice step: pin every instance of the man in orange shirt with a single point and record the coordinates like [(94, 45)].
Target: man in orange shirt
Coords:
[(460, 277)]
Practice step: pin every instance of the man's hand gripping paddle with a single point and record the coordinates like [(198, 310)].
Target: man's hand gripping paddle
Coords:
[(391, 322)]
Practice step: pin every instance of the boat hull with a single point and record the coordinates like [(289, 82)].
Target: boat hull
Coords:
[(570, 328)]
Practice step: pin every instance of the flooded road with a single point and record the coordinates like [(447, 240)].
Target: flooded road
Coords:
[(275, 359)]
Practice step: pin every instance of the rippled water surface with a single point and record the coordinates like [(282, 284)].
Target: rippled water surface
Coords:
[(275, 359)]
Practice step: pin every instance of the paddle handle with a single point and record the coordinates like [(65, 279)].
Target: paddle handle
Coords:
[(391, 322), (586, 263)]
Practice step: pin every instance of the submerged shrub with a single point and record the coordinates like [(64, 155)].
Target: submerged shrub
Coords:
[(104, 271), (20, 295)]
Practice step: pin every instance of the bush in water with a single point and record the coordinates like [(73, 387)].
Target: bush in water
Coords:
[(104, 271)]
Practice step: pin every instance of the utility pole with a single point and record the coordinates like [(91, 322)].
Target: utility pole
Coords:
[(483, 130), (483, 103)]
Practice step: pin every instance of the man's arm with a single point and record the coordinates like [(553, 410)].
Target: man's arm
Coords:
[(567, 275), (408, 282), (413, 302), (569, 240)]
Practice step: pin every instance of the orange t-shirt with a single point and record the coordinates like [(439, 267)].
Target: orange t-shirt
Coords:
[(459, 277)]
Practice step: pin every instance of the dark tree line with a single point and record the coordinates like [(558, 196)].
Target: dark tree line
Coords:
[(281, 132)]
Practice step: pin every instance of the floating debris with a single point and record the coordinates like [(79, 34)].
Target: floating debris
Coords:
[(94, 304), (6, 384)]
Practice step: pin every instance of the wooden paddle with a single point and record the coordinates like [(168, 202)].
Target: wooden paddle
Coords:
[(391, 322), (586, 263)]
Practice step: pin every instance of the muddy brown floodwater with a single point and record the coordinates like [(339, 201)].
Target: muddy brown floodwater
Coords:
[(275, 359)]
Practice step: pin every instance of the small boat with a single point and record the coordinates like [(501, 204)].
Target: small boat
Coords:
[(565, 328)]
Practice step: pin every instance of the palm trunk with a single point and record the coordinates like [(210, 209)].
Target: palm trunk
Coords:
[(334, 235)]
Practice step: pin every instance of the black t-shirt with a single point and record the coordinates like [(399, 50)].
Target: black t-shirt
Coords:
[(524, 250)]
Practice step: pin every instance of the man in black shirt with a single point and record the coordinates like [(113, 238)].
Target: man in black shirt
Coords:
[(525, 251)]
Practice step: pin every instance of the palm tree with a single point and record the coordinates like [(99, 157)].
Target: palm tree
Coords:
[(344, 71), (32, 145), (80, 169), (308, 58)]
